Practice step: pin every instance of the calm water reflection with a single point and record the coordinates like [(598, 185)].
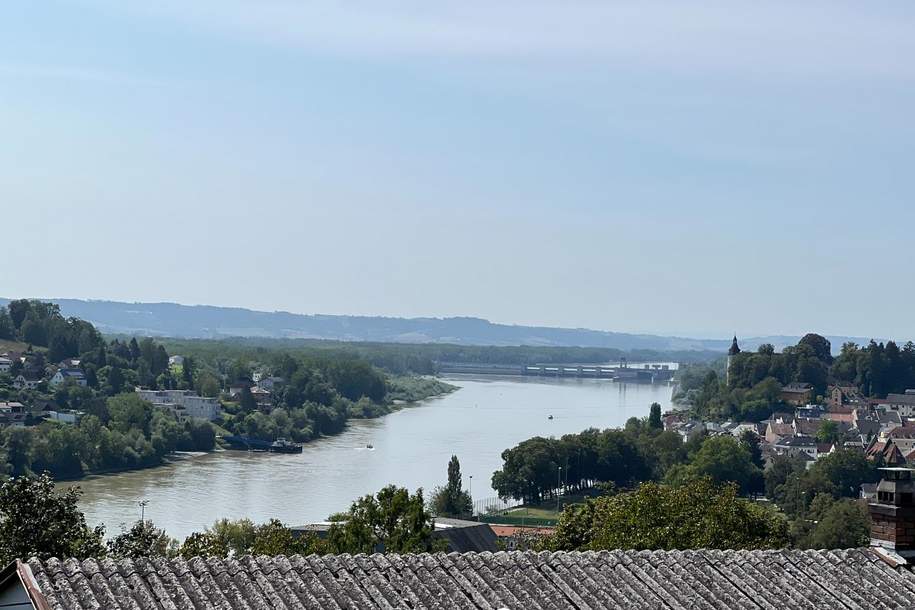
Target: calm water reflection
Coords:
[(411, 448)]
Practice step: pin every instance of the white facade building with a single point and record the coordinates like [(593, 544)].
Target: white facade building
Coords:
[(183, 403), (21, 382), (904, 404)]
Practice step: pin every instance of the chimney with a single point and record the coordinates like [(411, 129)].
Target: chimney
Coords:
[(893, 512)]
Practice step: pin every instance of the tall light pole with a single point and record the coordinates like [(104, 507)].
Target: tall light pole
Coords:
[(470, 493), (558, 486), (143, 504)]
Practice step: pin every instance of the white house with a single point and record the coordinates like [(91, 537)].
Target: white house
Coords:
[(797, 445), (183, 403), (904, 404), (176, 360), (5, 364), (65, 417), (21, 382), (63, 375)]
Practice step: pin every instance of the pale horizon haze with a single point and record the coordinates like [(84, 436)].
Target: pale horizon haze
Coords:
[(697, 168)]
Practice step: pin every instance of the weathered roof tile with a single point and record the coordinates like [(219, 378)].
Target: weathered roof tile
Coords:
[(773, 580)]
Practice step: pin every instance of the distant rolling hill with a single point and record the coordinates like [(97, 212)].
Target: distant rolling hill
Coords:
[(206, 321)]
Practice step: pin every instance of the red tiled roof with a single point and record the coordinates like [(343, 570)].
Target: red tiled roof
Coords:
[(834, 416), (902, 432)]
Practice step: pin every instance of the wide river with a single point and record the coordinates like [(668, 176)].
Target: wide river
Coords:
[(410, 448)]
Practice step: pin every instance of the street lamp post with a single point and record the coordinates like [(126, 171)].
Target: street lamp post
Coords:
[(470, 492), (558, 487), (143, 504)]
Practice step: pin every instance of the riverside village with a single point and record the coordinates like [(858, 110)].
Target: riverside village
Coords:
[(516, 305)]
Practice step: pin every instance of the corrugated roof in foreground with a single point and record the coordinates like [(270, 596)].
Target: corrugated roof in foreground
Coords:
[(777, 580)]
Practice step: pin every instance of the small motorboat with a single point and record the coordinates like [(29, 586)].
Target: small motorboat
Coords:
[(370, 446), (550, 417)]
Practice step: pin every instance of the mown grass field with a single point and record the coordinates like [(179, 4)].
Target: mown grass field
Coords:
[(546, 510), (16, 346)]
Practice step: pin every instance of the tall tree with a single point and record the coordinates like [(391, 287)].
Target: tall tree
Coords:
[(750, 440), (246, 400), (6, 325), (187, 371), (654, 417), (820, 345), (19, 309), (451, 500), (18, 442)]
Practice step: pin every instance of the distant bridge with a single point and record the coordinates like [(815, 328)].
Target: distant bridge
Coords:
[(648, 373)]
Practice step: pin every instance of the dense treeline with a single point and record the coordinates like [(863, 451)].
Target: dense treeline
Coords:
[(877, 369), (41, 324), (806, 362), (120, 433), (539, 468), (317, 395), (402, 358)]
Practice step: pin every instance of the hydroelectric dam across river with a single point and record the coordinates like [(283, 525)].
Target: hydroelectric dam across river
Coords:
[(645, 373)]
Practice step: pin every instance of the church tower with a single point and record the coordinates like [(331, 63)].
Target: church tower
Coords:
[(733, 351)]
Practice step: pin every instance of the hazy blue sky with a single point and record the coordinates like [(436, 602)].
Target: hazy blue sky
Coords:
[(702, 167)]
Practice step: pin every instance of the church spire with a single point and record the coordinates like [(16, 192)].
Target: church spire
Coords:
[(735, 349)]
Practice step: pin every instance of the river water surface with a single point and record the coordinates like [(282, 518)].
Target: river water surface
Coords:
[(410, 448)]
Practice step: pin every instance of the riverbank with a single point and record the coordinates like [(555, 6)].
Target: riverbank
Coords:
[(169, 460), (404, 391), (409, 448)]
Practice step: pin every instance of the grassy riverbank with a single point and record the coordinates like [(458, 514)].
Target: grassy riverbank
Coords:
[(413, 388)]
